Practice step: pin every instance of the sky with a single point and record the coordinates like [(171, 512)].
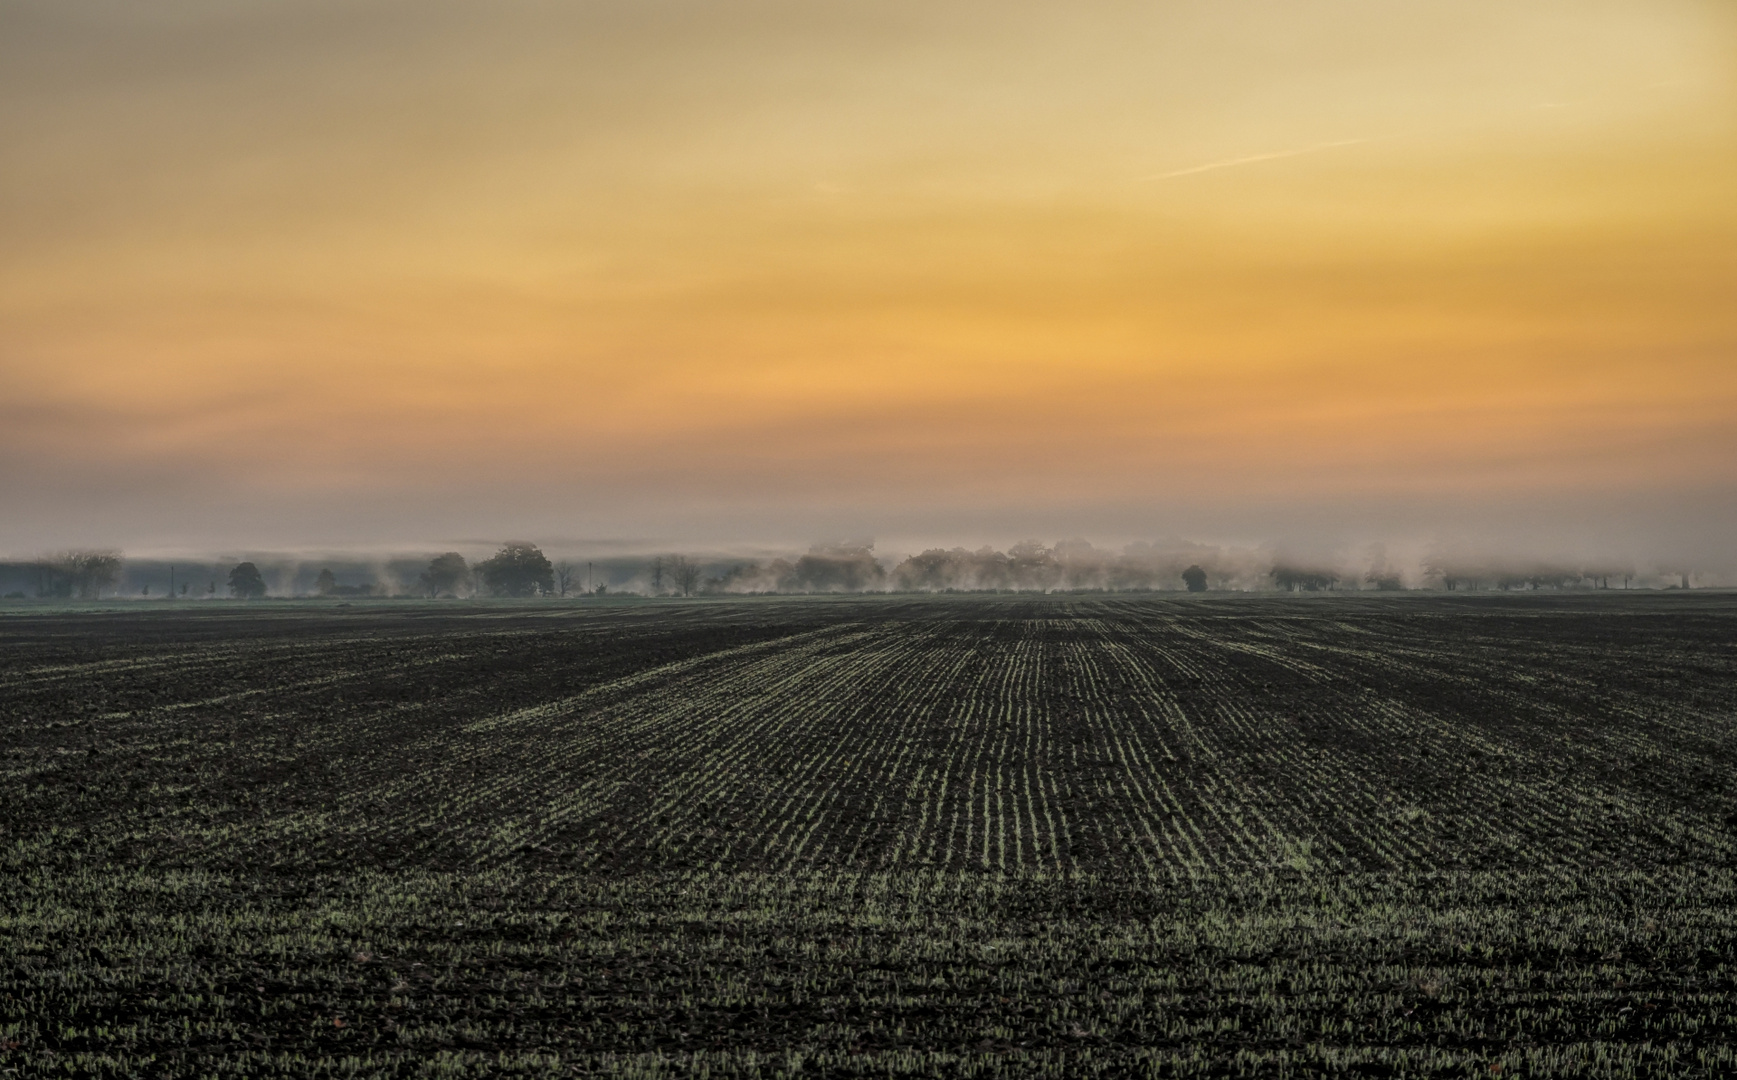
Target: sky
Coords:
[(374, 273)]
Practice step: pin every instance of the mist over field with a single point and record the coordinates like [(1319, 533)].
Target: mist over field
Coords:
[(376, 278), (645, 568)]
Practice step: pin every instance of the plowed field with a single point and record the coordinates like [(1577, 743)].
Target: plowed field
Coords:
[(1380, 836)]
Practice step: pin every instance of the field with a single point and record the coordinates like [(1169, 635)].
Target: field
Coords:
[(960, 836)]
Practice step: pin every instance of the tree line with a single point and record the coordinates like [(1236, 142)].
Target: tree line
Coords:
[(81, 575), (518, 569), (521, 569)]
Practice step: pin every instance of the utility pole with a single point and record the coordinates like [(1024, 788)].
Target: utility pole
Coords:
[(588, 577), (171, 581)]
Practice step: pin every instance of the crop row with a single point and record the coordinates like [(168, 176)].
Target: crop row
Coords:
[(1101, 737), (874, 973), (1050, 836)]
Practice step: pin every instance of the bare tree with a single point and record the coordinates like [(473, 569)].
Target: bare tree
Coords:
[(685, 574), (84, 574), (564, 573), (658, 566)]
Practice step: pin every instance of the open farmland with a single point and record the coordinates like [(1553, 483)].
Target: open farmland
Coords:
[(1071, 836)]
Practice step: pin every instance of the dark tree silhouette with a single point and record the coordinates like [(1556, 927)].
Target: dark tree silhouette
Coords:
[(564, 573), (245, 582), (326, 584), (445, 574), (1195, 578), (685, 574), (1295, 579), (518, 569), (84, 574), (1032, 566), (94, 571), (839, 568), (53, 578)]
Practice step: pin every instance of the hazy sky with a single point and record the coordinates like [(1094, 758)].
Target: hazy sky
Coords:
[(370, 272)]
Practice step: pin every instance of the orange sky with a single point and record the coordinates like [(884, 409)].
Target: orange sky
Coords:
[(323, 272)]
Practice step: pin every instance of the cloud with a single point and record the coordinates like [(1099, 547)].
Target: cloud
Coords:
[(1274, 156)]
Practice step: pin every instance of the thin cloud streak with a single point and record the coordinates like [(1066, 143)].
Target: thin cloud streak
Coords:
[(1251, 160)]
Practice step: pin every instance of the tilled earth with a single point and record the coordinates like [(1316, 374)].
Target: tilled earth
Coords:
[(1411, 835)]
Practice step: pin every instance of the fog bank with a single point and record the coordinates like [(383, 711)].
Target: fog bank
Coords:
[(574, 569)]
